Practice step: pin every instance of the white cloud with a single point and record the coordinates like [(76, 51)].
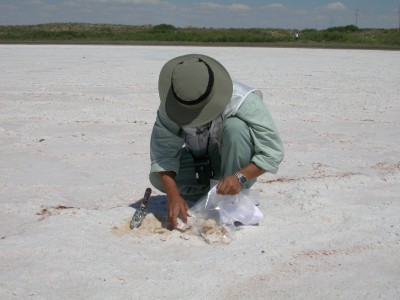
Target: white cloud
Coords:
[(238, 7), (274, 6), (69, 3), (34, 2), (232, 7), (122, 1), (210, 5), (136, 1), (336, 6)]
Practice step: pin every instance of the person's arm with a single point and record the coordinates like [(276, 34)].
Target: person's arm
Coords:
[(177, 206), (165, 144), (165, 150), (268, 147)]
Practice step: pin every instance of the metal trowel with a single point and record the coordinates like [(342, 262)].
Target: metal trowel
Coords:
[(141, 213)]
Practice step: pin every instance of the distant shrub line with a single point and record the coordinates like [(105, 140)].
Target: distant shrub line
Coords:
[(109, 33)]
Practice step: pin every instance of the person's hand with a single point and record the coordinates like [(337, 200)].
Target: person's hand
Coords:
[(177, 207), (229, 185)]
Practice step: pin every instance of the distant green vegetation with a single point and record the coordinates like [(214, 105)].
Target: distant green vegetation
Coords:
[(335, 37)]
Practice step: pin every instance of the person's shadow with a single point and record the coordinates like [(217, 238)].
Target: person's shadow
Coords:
[(157, 205)]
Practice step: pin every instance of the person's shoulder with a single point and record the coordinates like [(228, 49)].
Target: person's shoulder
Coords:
[(253, 104)]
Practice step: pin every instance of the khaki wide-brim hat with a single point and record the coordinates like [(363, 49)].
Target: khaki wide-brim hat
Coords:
[(194, 89)]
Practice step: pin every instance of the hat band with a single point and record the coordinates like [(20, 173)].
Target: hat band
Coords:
[(206, 93)]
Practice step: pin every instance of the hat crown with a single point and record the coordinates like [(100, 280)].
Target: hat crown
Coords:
[(192, 81), (194, 89)]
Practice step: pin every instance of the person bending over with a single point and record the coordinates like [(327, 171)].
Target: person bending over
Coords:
[(208, 127)]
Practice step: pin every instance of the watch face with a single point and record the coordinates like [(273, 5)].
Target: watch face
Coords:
[(242, 179)]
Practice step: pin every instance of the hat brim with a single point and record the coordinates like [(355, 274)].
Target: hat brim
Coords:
[(221, 94)]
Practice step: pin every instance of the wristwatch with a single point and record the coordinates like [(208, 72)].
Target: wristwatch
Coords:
[(242, 179)]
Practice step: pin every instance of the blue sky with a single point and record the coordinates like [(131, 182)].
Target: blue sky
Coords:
[(208, 13)]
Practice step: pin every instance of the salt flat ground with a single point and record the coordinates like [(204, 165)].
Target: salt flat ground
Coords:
[(75, 123)]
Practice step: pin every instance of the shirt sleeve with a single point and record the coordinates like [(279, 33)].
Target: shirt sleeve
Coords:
[(165, 144), (267, 142)]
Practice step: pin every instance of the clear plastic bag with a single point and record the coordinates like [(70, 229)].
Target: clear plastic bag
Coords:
[(214, 215)]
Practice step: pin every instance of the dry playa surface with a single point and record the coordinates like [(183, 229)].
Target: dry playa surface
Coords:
[(75, 123)]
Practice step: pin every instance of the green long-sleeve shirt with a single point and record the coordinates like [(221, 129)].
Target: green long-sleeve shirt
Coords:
[(168, 138)]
